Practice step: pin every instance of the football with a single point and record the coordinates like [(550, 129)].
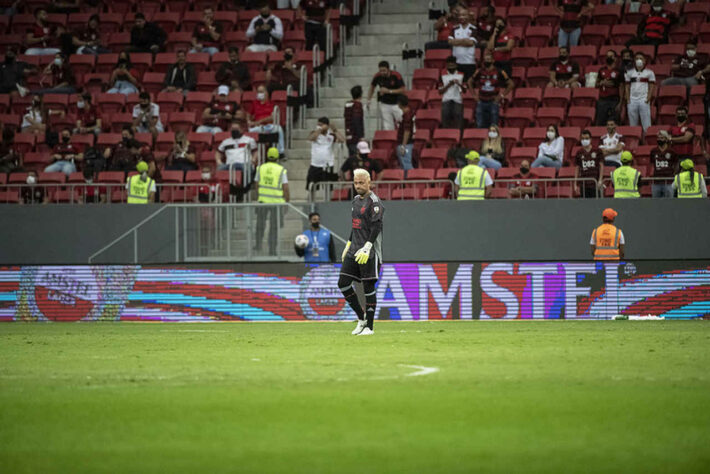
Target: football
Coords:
[(301, 241)]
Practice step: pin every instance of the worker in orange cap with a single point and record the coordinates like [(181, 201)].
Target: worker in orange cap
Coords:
[(607, 239)]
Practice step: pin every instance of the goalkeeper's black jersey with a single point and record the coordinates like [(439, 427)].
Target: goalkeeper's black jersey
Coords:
[(367, 215)]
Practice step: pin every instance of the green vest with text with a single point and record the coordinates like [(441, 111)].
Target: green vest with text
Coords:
[(138, 190), (626, 182), (472, 179), (686, 187), (271, 188)]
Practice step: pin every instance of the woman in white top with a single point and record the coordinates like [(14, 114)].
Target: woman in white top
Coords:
[(34, 121), (551, 152)]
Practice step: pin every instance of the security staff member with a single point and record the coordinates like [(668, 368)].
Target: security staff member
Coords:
[(689, 183), (318, 241), (607, 240), (472, 181), (272, 185), (625, 178), (141, 187)]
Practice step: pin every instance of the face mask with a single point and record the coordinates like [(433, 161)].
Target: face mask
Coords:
[(586, 141), (524, 170), (288, 56), (690, 53), (492, 134), (551, 135), (452, 69), (9, 59), (205, 176), (236, 134), (563, 58), (315, 225), (125, 140), (661, 141), (639, 63), (57, 61), (681, 117), (260, 96), (657, 9), (80, 104), (145, 106), (66, 139), (265, 15), (31, 179), (610, 61), (89, 180), (488, 63)]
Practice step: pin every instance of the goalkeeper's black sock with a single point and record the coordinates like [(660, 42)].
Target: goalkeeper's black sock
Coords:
[(351, 298), (370, 306)]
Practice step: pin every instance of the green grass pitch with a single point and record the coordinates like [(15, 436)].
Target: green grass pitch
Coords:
[(559, 396)]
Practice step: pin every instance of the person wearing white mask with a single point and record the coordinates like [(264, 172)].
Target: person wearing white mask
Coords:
[(653, 28), (87, 120), (57, 77), (261, 117), (687, 69), (589, 163), (640, 89), (33, 194), (492, 149), (551, 152)]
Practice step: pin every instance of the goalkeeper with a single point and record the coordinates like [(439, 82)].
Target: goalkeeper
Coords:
[(362, 256)]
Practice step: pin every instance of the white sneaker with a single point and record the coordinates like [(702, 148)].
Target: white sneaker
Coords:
[(361, 324), (366, 332), (22, 90)]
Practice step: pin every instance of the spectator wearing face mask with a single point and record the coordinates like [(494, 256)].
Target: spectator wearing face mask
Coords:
[(146, 116), (640, 88), (485, 25), (589, 163), (610, 82), (573, 13), (551, 152), (321, 245), (119, 156), (42, 38), (451, 88), (238, 152), (58, 77), (284, 73), (124, 77), (35, 118), (489, 86), (265, 31), (360, 159), (564, 72), (218, 115), (664, 164), (653, 29), (261, 117), (33, 194), (524, 187), (493, 149), (683, 132), (627, 60), (323, 140), (146, 37), (182, 157), (65, 155), (88, 120), (207, 190), (611, 145), (501, 44), (687, 69)]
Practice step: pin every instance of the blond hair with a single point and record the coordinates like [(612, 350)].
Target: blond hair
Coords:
[(361, 172)]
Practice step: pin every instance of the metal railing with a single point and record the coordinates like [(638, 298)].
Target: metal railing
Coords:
[(302, 92), (216, 233), (316, 75)]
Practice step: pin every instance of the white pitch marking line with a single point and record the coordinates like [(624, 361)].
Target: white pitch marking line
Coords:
[(421, 370)]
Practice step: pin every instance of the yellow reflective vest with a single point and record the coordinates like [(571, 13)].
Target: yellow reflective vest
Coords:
[(686, 187), (138, 190), (626, 182), (271, 187), (472, 182)]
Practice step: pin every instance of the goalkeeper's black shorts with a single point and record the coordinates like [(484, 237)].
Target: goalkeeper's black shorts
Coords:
[(367, 271)]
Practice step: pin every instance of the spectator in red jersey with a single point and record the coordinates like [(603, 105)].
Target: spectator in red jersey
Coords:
[(664, 164), (316, 15), (182, 157), (119, 156), (219, 113), (261, 117), (65, 155), (146, 37), (88, 40), (234, 73), (88, 120), (354, 120), (444, 25), (451, 88), (573, 12), (501, 43), (207, 36), (284, 73), (589, 163), (391, 85), (564, 72), (682, 133), (654, 28), (405, 133), (610, 82), (181, 76), (489, 86), (485, 25), (58, 76), (207, 191), (687, 69), (42, 38), (524, 187), (265, 31), (124, 78)]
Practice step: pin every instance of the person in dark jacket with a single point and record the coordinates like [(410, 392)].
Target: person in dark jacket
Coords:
[(234, 73), (181, 76), (146, 37)]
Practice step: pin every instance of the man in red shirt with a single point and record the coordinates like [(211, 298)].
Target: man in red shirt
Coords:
[(65, 155), (42, 38), (572, 12), (234, 74), (316, 15), (664, 163), (654, 28), (524, 187), (354, 120), (88, 39), (485, 26), (58, 77), (207, 190), (405, 133), (489, 85), (219, 113), (260, 117), (610, 82), (589, 163), (444, 25), (502, 43), (682, 133), (207, 36), (87, 120), (564, 72)]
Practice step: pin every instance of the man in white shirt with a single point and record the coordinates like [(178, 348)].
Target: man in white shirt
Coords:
[(237, 152), (265, 31), (611, 145), (451, 88), (463, 41), (146, 116), (640, 87), (322, 158)]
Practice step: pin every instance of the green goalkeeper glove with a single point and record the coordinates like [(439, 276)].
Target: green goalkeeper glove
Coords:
[(345, 251), (363, 255)]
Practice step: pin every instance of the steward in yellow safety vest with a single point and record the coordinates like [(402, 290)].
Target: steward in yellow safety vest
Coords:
[(689, 183), (271, 179), (472, 181), (141, 187), (607, 240), (625, 178)]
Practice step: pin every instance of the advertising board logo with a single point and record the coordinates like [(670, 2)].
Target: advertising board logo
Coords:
[(320, 297)]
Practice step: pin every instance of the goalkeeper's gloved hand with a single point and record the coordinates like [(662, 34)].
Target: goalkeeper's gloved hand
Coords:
[(362, 255), (345, 251)]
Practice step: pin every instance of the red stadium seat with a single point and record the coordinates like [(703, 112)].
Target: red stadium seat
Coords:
[(420, 174), (111, 22), (245, 17), (340, 194), (197, 101), (407, 194), (436, 58), (519, 117), (606, 14), (524, 56), (11, 121), (200, 61), (538, 35), (25, 142), (77, 21), (585, 96), (634, 18), (621, 34), (433, 100), (547, 56), (674, 95), (433, 158), (519, 76), (532, 137), (287, 17), (527, 97), (518, 154), (4, 103), (704, 32), (120, 120), (548, 16), (191, 19), (142, 61), (118, 177), (110, 103), (178, 6), (446, 138), (392, 175), (253, 61), (556, 97), (108, 139), (179, 40), (647, 50), (153, 82), (696, 13), (580, 116), (182, 121), (170, 101), (632, 135), (200, 141), (21, 23), (56, 101), (36, 161), (383, 155), (165, 141), (416, 98), (682, 34), (520, 16), (10, 41), (696, 112), (668, 52), (168, 21), (82, 63), (473, 137), (119, 41), (438, 192), (428, 118), (237, 39), (584, 55), (385, 139), (294, 39), (538, 76), (106, 63), (206, 82), (547, 116), (86, 140), (163, 61), (425, 78), (666, 115), (595, 35)]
